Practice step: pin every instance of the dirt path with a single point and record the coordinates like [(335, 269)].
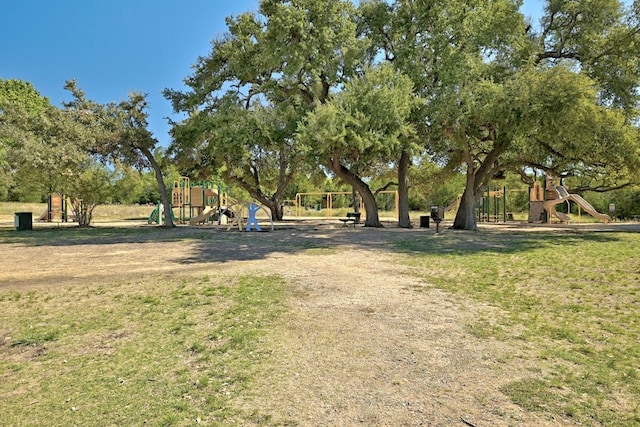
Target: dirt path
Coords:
[(376, 347)]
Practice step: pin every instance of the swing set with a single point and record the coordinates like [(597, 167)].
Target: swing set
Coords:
[(335, 203)]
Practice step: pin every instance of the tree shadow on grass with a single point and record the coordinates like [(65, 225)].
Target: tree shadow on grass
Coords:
[(249, 246), (201, 244), (70, 236), (208, 244), (457, 243)]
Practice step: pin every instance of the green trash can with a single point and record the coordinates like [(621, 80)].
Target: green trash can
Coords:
[(24, 221)]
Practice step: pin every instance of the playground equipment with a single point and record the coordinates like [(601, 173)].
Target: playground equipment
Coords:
[(536, 203), (455, 205), (195, 203), (157, 215), (244, 215), (193, 200), (204, 216), (57, 209), (559, 194), (341, 200), (206, 201), (493, 205)]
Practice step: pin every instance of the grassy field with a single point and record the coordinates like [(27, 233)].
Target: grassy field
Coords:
[(179, 350), (101, 212), (572, 303)]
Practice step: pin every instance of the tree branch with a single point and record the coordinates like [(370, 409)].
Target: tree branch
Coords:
[(384, 187)]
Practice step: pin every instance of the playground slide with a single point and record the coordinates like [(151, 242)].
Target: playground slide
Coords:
[(206, 213), (586, 206), (550, 206), (154, 217)]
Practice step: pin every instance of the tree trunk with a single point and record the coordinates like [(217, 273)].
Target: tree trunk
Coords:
[(404, 221), (466, 216), (83, 213), (284, 178), (273, 204), (251, 183), (369, 200), (275, 207), (355, 198), (478, 176), (168, 212)]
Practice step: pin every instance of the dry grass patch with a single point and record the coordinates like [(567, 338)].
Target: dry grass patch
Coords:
[(107, 212), (157, 351)]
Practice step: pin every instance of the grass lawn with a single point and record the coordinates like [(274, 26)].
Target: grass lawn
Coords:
[(160, 351), (571, 302), (179, 349)]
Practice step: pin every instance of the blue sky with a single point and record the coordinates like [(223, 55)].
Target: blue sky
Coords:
[(113, 47)]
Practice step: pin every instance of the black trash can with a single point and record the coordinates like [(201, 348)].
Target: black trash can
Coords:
[(24, 221), (424, 221)]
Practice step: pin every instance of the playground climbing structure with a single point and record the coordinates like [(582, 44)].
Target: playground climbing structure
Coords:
[(58, 209), (194, 203)]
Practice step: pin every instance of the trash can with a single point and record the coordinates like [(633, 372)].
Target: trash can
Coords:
[(424, 221), (24, 221)]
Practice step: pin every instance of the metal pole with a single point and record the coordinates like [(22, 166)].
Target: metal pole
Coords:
[(504, 204)]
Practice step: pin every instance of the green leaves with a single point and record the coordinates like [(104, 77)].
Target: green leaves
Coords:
[(18, 92), (598, 38), (42, 142), (366, 123), (563, 129)]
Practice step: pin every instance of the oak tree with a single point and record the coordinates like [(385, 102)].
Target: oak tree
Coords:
[(245, 99)]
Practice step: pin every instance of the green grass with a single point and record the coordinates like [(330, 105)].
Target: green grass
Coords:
[(161, 351), (571, 301)]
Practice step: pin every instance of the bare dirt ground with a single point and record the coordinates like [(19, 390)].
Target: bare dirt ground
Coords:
[(364, 343)]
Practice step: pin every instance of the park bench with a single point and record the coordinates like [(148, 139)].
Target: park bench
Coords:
[(352, 218)]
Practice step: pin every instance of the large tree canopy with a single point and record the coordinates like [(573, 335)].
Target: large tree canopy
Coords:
[(599, 38), (21, 106), (249, 146), (545, 119), (247, 96), (18, 92), (502, 94), (42, 145)]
